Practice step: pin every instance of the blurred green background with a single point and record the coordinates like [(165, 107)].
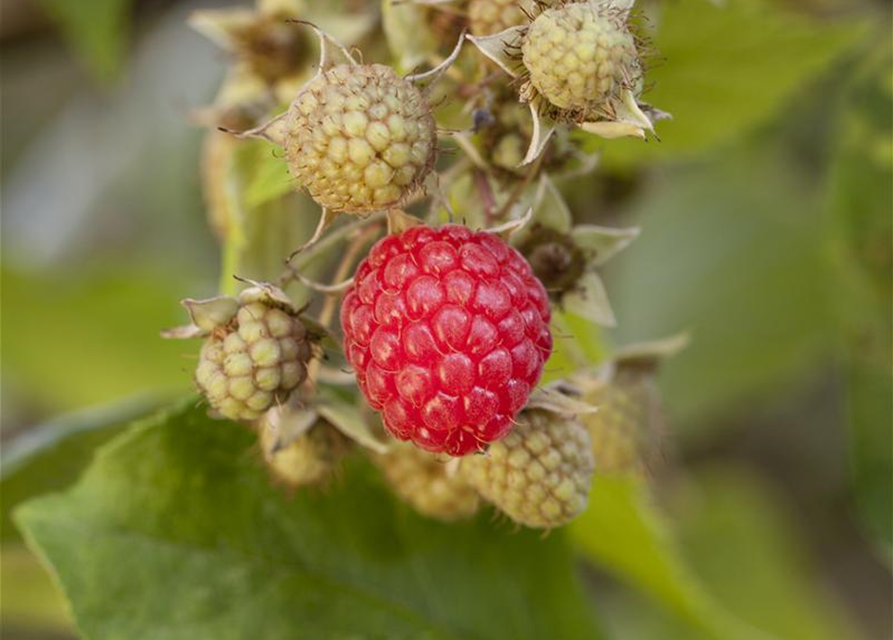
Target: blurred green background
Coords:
[(766, 213)]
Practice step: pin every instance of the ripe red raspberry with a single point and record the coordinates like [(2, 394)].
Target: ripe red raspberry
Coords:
[(448, 330)]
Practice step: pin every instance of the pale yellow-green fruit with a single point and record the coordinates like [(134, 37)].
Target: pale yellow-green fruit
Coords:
[(580, 56), (539, 474), (310, 459), (488, 17), (255, 361), (360, 138), (625, 431), (421, 479)]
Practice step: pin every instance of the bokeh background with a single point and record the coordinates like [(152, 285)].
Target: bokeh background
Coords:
[(766, 213)]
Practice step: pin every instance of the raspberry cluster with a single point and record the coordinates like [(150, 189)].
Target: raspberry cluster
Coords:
[(258, 359), (448, 331), (580, 55), (360, 138)]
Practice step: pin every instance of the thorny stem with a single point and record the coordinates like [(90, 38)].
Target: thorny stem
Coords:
[(471, 90), (356, 246), (344, 267), (311, 253)]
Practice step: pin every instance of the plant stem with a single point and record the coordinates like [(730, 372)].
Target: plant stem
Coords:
[(519, 188), (306, 257), (327, 313)]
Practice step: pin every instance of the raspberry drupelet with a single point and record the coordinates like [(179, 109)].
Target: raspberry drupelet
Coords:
[(448, 331)]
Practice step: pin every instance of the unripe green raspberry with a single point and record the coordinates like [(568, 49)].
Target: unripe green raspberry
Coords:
[(308, 460), (486, 17), (539, 474), (255, 360), (422, 479), (579, 56), (360, 138), (624, 430)]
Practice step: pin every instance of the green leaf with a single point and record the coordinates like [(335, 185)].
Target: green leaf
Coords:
[(744, 547), (726, 68), (774, 585), (50, 456), (743, 269), (177, 520), (33, 602), (624, 534), (263, 219), (98, 30), (88, 340), (269, 178), (578, 343), (859, 236)]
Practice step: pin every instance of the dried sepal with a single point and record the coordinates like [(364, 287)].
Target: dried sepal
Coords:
[(649, 354), (589, 300), (299, 447), (274, 130), (266, 293), (508, 229), (206, 315), (543, 128), (286, 423), (210, 314), (331, 52), (349, 420), (399, 221), (427, 78), (603, 243), (629, 120), (560, 397), (550, 209), (502, 48)]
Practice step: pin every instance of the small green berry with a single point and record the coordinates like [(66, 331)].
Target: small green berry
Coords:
[(579, 57), (539, 474), (422, 479), (255, 360), (625, 431), (360, 138), (309, 459)]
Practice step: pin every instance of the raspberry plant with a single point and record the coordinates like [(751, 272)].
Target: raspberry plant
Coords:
[(445, 320), (444, 327), (408, 333)]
